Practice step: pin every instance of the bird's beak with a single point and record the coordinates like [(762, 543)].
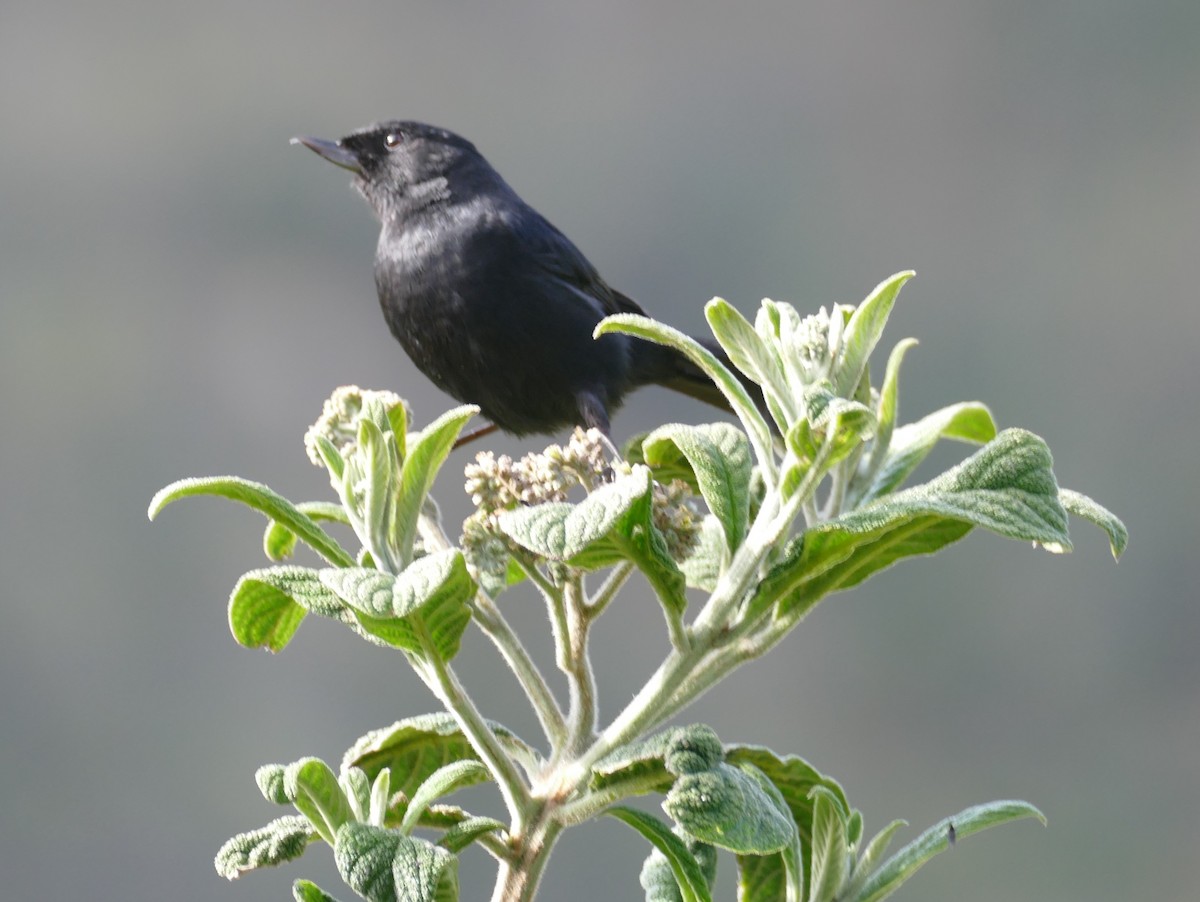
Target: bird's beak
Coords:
[(334, 152)]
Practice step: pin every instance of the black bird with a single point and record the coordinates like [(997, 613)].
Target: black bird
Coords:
[(491, 301)]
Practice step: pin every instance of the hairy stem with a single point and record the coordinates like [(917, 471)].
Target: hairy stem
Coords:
[(441, 679), (497, 628), (517, 881), (609, 589), (583, 710)]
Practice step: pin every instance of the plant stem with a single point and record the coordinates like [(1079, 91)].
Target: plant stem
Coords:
[(441, 679), (583, 710), (496, 627), (518, 881), (508, 643), (609, 589)]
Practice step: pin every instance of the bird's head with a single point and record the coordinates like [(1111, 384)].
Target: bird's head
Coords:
[(399, 164)]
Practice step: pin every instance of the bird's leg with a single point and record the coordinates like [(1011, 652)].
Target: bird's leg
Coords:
[(474, 434), (593, 412)]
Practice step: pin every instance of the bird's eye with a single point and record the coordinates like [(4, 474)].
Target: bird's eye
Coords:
[(393, 140)]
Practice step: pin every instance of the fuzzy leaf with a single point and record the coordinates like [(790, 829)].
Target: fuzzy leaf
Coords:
[(870, 857), (380, 463), (1007, 486), (261, 613), (357, 788), (1085, 507), (272, 784), (688, 874), (905, 863), (467, 831), (732, 807), (750, 353), (702, 568), (262, 499), (434, 588), (735, 393), (307, 891), (443, 781), (863, 332), (613, 523), (313, 788), (766, 878), (886, 412), (559, 530), (284, 839), (638, 765), (384, 865), (830, 847), (413, 748), (719, 457), (279, 542), (969, 421), (427, 451), (658, 879)]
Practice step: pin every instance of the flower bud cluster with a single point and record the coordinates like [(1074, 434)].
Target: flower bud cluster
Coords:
[(501, 483), (498, 483), (340, 417), (675, 518)]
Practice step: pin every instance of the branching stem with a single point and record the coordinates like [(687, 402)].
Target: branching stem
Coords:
[(441, 679)]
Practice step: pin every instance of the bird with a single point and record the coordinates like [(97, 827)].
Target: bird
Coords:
[(492, 302)]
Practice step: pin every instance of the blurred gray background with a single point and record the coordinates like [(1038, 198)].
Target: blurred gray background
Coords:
[(180, 289)]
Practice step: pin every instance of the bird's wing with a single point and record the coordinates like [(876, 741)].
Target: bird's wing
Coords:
[(555, 253)]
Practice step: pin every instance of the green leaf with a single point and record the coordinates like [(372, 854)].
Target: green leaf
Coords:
[(613, 523), (658, 880), (703, 567), (905, 863), (734, 807), (830, 847), (271, 783), (688, 875), (969, 421), (637, 765), (863, 331), (735, 393), (719, 457), (841, 424), (397, 421), (413, 748), (262, 499), (262, 614), (313, 788), (766, 878), (430, 594), (266, 606), (793, 777), (871, 856), (559, 530), (887, 410), (427, 451), (1085, 507), (379, 468), (747, 350), (386, 866), (279, 542), (467, 831), (1007, 486), (442, 782), (307, 891), (357, 789), (381, 796), (284, 839), (335, 464)]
